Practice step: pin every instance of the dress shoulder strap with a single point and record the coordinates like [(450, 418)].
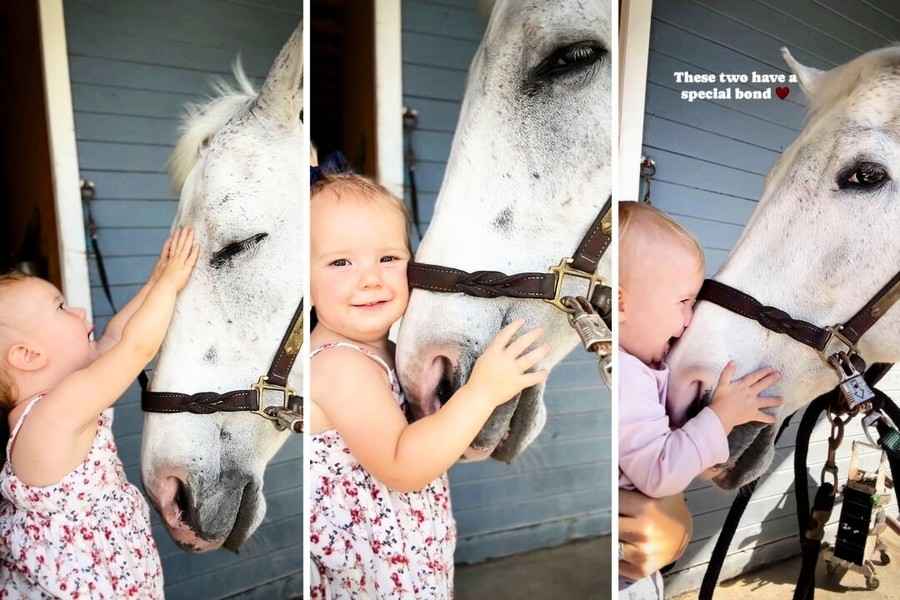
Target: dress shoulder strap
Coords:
[(358, 348), (18, 425)]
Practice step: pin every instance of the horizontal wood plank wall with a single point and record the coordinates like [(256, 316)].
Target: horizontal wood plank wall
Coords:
[(133, 66), (559, 489), (711, 158)]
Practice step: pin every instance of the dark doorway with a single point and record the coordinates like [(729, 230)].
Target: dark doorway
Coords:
[(342, 65), (28, 228)]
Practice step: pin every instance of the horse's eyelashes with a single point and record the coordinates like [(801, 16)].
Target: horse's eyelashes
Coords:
[(863, 175), (223, 256), (567, 59)]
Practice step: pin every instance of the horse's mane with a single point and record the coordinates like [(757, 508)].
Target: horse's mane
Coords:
[(201, 120), (839, 83)]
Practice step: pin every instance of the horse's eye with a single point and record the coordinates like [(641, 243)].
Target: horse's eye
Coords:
[(223, 256), (569, 58), (862, 176)]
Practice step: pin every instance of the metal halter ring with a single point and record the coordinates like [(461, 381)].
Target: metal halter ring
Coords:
[(562, 270)]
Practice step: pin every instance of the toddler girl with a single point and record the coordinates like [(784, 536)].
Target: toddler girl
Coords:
[(70, 524), (381, 524), (660, 451)]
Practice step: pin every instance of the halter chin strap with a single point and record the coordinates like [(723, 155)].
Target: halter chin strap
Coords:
[(285, 413)]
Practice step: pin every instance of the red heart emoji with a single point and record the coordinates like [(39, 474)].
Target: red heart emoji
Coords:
[(782, 92)]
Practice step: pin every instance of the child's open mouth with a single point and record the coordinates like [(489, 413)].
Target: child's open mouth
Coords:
[(371, 305)]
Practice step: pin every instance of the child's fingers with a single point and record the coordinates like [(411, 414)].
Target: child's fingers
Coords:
[(524, 341), (727, 373), (763, 375), (176, 242), (194, 255), (535, 378), (762, 417), (504, 335), (769, 401), (164, 253), (526, 361)]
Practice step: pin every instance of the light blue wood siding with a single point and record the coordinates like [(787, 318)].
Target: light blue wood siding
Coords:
[(711, 159), (559, 490), (133, 66)]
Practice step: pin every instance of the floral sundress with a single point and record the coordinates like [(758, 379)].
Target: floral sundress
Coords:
[(86, 536), (367, 540)]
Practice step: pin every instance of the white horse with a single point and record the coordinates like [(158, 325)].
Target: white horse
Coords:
[(822, 241), (240, 168), (528, 172)]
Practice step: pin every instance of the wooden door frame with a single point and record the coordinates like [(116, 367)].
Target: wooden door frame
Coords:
[(389, 95), (634, 51), (64, 156)]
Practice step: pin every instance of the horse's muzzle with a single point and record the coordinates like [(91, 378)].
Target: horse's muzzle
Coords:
[(203, 516)]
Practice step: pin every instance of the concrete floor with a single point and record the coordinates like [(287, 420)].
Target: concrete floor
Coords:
[(776, 582), (579, 570)]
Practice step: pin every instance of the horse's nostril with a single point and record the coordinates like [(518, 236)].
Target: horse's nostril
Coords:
[(445, 386), (181, 499)]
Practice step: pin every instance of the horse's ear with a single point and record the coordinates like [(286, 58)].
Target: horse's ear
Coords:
[(809, 77), (281, 97)]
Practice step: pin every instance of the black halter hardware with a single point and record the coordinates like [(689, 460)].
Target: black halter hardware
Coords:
[(285, 413), (589, 314), (854, 394)]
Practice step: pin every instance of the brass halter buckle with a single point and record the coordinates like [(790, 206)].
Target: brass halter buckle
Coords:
[(275, 412), (562, 270)]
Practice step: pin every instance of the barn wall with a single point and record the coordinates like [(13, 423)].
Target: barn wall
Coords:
[(711, 159), (133, 66), (559, 490)]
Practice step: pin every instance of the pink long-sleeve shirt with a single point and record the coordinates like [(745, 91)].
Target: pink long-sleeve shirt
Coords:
[(658, 455)]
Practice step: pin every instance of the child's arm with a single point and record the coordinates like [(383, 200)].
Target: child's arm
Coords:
[(81, 396), (113, 332), (406, 456), (660, 461)]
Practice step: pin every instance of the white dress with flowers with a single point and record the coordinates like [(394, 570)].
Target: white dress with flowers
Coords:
[(87, 536), (367, 540)]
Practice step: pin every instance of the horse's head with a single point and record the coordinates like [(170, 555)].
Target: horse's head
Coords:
[(527, 174), (820, 244), (239, 166)]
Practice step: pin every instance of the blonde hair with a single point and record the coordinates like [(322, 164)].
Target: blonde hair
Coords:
[(359, 186), (634, 216), (7, 385)]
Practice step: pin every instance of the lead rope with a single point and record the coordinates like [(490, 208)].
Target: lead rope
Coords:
[(811, 523)]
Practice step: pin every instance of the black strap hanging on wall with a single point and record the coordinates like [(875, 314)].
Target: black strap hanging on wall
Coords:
[(88, 191), (648, 170), (410, 123)]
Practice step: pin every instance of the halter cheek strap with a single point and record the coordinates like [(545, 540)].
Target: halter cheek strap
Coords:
[(287, 413)]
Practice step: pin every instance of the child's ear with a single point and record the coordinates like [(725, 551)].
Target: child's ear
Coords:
[(621, 305), (26, 358)]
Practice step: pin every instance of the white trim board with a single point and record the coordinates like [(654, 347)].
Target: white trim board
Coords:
[(389, 95), (70, 232), (634, 51)]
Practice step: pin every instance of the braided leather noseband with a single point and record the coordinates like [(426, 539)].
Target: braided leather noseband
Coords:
[(590, 314), (286, 412)]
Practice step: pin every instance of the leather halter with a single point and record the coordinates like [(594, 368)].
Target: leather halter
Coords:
[(285, 413), (835, 344), (543, 286)]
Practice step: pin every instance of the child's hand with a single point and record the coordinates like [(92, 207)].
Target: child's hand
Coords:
[(737, 402), (181, 256), (501, 371), (163, 260)]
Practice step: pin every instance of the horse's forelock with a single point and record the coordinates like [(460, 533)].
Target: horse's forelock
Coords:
[(201, 120)]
